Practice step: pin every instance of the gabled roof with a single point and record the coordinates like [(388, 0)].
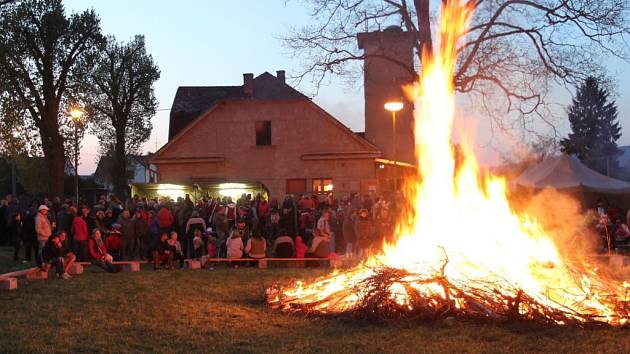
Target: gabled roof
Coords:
[(371, 148), (191, 101)]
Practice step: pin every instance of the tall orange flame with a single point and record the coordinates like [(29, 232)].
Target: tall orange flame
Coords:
[(465, 249)]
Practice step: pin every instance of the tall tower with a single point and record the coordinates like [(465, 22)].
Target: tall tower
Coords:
[(388, 65)]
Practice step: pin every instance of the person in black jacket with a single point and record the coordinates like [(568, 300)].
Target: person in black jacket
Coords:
[(16, 230), (52, 255), (66, 252), (163, 253), (29, 235)]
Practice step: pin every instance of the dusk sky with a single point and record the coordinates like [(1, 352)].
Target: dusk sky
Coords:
[(207, 43)]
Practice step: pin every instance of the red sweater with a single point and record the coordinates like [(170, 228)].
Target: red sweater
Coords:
[(79, 229), (165, 218), (94, 250)]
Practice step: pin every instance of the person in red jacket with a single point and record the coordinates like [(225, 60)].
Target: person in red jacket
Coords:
[(165, 219), (80, 236), (98, 252), (262, 212)]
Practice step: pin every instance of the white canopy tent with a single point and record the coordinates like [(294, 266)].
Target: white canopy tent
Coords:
[(566, 172)]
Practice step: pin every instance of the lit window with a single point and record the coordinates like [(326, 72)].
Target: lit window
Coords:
[(321, 185), (263, 132)]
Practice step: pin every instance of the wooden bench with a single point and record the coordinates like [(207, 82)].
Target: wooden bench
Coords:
[(29, 273), (127, 266), (8, 281)]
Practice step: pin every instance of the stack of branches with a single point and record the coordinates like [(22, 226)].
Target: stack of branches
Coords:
[(392, 294)]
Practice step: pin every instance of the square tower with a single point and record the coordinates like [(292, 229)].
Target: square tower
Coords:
[(388, 66)]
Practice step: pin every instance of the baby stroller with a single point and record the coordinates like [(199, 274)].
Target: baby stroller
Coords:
[(113, 243)]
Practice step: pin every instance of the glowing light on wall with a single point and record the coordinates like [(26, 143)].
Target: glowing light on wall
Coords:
[(234, 190), (172, 191)]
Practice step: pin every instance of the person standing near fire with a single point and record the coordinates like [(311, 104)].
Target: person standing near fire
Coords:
[(364, 233)]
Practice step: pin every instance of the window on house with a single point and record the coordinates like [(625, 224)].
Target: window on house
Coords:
[(296, 186), (263, 132), (321, 185)]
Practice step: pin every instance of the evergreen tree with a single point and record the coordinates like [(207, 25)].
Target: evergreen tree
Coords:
[(594, 126)]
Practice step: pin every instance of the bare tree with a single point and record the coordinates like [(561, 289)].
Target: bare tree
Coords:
[(123, 103), (513, 52)]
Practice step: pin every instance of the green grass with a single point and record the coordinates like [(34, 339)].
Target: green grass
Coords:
[(8, 265), (223, 311)]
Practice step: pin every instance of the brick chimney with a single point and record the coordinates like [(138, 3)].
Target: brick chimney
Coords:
[(248, 84), (281, 75)]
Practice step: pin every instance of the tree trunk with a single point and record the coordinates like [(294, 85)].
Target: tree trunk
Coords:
[(119, 170), (52, 146)]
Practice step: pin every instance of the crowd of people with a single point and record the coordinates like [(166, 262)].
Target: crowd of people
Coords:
[(56, 233)]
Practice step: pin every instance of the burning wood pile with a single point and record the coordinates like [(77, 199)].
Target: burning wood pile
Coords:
[(393, 294), (461, 251)]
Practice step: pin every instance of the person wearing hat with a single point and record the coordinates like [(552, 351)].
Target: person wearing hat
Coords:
[(43, 228)]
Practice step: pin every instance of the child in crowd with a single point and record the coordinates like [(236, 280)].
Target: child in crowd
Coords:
[(235, 245), (197, 242), (176, 249), (256, 246), (212, 243), (163, 253)]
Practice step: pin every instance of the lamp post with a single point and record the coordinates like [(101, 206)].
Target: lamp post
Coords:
[(394, 106), (76, 114)]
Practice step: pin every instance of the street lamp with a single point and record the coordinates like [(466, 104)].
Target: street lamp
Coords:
[(76, 113), (394, 106)]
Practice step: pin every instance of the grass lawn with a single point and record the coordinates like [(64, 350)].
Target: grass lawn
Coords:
[(223, 311)]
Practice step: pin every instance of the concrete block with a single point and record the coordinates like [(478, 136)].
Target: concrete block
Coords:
[(192, 264), (262, 264), (75, 269), (37, 274), (131, 267), (8, 283)]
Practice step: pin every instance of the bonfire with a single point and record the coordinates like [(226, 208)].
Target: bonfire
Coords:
[(461, 250)]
